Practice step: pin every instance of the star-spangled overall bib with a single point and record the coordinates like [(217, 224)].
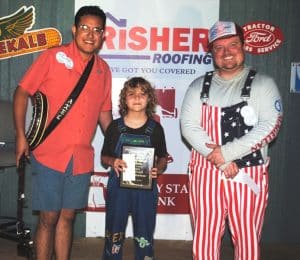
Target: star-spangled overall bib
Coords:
[(121, 202), (213, 198)]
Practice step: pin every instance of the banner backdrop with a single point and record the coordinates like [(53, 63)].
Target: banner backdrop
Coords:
[(164, 42)]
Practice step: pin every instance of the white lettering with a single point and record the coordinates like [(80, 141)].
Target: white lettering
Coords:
[(176, 188), (166, 201), (250, 27), (159, 187), (258, 37)]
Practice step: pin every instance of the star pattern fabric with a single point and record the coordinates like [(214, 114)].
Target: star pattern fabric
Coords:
[(233, 126)]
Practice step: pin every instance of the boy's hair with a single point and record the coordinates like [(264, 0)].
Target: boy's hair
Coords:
[(90, 10), (138, 82)]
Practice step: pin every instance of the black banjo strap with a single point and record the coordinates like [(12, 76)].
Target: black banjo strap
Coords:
[(65, 108)]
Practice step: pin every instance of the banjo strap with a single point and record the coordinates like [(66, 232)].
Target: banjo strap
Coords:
[(65, 108)]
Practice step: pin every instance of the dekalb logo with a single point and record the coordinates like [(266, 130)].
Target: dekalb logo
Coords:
[(17, 39), (262, 37)]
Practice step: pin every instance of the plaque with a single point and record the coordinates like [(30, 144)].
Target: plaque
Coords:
[(139, 160)]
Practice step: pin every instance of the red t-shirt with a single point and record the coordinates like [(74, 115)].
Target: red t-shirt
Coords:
[(56, 76)]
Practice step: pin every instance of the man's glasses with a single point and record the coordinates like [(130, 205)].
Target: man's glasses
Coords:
[(86, 29)]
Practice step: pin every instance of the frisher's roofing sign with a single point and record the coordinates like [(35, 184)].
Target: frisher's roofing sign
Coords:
[(262, 37), (15, 39)]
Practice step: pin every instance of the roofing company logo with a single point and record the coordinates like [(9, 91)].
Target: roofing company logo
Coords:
[(16, 40), (167, 45), (262, 37)]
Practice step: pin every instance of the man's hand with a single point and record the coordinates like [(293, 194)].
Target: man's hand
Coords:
[(231, 170), (215, 157)]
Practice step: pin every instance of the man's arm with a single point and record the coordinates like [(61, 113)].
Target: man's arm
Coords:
[(104, 119), (190, 120), (269, 114), (266, 101), (20, 106)]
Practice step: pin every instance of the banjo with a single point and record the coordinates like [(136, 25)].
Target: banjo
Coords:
[(39, 128), (38, 121)]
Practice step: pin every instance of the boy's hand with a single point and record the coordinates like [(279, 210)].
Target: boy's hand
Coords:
[(154, 173)]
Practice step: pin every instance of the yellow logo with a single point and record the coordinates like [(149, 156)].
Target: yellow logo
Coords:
[(16, 40)]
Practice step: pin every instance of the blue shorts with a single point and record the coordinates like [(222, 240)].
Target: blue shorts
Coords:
[(53, 190)]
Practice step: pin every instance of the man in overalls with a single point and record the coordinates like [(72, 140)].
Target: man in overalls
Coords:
[(229, 116)]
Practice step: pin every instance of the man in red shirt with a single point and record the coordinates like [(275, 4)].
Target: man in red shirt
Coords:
[(62, 163)]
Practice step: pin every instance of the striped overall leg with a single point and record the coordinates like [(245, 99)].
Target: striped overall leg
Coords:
[(208, 212), (246, 212)]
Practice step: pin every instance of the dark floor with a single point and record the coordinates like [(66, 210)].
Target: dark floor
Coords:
[(91, 248)]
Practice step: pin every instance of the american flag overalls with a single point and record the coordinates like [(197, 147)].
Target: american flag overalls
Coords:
[(213, 198)]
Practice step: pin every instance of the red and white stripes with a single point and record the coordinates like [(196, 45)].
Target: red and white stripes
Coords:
[(213, 199)]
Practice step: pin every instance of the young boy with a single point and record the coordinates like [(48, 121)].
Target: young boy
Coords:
[(136, 125)]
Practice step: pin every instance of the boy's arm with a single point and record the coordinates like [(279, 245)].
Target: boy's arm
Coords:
[(161, 164), (107, 161), (117, 164), (159, 167)]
